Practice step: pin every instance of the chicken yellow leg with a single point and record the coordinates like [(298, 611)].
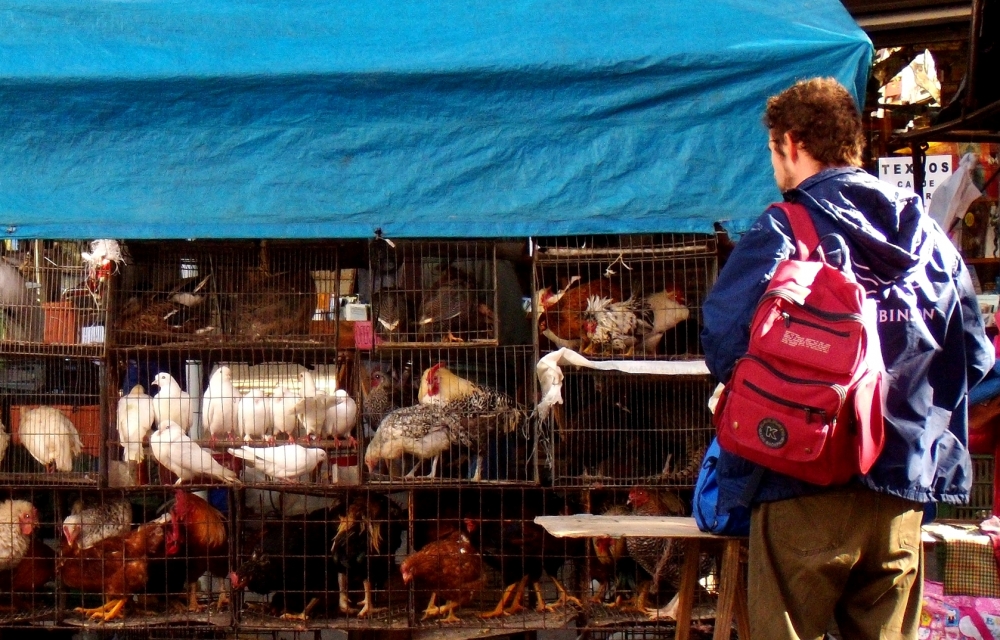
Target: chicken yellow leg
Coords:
[(499, 609)]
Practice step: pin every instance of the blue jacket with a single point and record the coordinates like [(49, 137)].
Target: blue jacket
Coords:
[(933, 341)]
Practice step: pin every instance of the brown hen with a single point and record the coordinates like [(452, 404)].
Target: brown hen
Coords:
[(450, 568), (116, 567)]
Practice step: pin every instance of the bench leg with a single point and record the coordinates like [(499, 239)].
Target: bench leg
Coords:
[(730, 591), (688, 586)]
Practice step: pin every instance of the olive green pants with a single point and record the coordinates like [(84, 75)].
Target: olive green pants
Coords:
[(850, 555)]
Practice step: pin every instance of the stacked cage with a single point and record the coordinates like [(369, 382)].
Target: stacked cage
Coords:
[(185, 293), (289, 436), (623, 296)]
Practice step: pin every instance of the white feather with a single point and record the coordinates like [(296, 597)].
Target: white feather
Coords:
[(4, 441), (311, 406), (220, 402), (171, 403), (135, 420), (284, 461), (341, 416), (172, 448), (283, 412), (253, 415), (50, 437)]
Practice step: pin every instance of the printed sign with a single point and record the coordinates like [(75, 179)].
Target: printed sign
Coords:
[(899, 171)]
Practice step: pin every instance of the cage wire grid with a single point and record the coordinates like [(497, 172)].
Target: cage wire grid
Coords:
[(188, 293), (51, 301), (260, 417), (432, 292), (492, 511), (623, 296)]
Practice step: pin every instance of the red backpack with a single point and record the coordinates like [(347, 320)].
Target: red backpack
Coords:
[(806, 400)]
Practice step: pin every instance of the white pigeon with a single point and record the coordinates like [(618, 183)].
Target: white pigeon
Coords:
[(284, 461), (172, 448), (341, 418), (283, 413), (218, 408), (311, 407), (135, 421), (171, 403), (253, 415), (4, 441), (50, 438)]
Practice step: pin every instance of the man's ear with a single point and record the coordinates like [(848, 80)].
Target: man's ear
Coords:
[(791, 145)]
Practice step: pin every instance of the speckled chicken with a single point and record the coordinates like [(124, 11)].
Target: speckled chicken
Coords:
[(425, 431), (659, 557), (86, 526), (382, 398), (608, 327), (450, 308), (483, 410)]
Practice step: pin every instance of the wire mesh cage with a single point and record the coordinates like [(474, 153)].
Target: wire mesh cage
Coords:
[(191, 293), (632, 582), (326, 560), (478, 555), (618, 429), (433, 292), (623, 296), (113, 560), (52, 407), (137, 560), (254, 417), (51, 300), (449, 415)]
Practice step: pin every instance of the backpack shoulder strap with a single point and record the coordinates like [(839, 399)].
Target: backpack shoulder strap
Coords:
[(803, 229)]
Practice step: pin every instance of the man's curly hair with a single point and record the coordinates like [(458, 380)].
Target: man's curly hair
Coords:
[(821, 114)]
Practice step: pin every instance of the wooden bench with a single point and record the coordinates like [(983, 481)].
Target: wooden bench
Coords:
[(732, 593)]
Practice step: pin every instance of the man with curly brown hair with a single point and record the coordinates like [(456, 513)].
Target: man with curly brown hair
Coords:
[(851, 553)]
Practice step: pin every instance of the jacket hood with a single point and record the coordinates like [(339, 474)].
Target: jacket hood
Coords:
[(889, 236)]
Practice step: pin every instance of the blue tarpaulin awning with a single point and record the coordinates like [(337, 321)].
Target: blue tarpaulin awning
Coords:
[(321, 118)]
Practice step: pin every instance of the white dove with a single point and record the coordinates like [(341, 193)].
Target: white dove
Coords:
[(341, 418), (218, 407), (135, 420), (283, 414), (283, 462), (253, 415), (171, 403), (50, 438), (311, 407), (172, 448), (4, 441)]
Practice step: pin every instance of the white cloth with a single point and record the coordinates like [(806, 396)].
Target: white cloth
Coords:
[(550, 375)]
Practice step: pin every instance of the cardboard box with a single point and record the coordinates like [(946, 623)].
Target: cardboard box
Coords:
[(86, 419)]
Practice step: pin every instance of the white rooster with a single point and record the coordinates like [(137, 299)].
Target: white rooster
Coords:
[(171, 403), (219, 404), (609, 327), (172, 448), (135, 421), (50, 438)]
